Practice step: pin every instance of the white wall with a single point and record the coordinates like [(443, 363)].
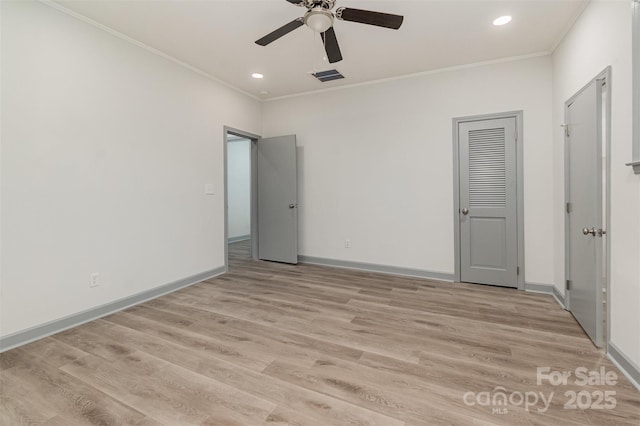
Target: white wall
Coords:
[(376, 163), (602, 37), (106, 149), (239, 187)]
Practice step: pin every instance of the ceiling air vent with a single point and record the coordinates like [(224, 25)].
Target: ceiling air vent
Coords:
[(329, 75)]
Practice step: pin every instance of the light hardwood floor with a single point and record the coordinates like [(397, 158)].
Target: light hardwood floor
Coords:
[(277, 344)]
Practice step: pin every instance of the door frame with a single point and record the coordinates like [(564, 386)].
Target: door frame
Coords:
[(518, 115), (604, 75), (254, 192)]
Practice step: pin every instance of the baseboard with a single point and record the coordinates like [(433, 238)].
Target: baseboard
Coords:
[(373, 267), (628, 367), (238, 238), (538, 288), (23, 337), (545, 289), (559, 296)]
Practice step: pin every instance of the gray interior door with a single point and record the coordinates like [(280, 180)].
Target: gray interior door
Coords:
[(277, 199), (583, 139), (488, 202)]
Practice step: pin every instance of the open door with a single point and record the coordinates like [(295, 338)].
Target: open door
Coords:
[(583, 175), (277, 199)]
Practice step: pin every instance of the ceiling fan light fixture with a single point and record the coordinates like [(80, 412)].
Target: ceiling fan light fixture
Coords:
[(319, 20)]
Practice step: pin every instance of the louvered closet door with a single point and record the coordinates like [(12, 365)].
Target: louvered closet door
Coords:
[(488, 203)]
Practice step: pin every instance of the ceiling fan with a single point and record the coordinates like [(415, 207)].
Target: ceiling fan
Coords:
[(320, 18)]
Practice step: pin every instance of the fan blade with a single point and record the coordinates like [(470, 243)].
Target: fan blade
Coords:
[(282, 31), (379, 19), (297, 2), (331, 46)]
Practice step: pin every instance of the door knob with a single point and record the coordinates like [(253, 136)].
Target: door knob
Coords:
[(292, 206), (465, 211), (587, 231)]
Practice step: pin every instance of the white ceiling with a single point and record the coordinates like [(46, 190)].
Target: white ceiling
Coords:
[(217, 36)]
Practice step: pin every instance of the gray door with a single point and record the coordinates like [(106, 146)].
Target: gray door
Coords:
[(488, 202), (583, 163), (277, 199)]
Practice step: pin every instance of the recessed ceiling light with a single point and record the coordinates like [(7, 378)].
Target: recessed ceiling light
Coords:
[(257, 75), (264, 92), (502, 20)]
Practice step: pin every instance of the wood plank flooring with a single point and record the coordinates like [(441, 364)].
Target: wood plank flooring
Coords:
[(275, 344)]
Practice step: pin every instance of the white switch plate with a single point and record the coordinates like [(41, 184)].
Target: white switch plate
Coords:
[(208, 189), (347, 243)]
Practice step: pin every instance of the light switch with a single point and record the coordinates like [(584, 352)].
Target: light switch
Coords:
[(208, 189)]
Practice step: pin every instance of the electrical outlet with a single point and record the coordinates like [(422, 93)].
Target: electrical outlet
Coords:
[(347, 243), (208, 189), (94, 279)]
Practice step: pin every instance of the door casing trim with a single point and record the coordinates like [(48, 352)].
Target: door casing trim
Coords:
[(254, 193), (518, 115)]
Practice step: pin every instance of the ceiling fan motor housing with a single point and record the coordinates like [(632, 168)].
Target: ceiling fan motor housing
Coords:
[(312, 4)]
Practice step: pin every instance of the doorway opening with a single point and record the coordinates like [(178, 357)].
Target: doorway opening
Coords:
[(240, 195), (264, 171)]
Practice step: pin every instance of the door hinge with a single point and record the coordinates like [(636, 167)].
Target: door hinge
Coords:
[(566, 129), (569, 207), (518, 270), (569, 282)]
